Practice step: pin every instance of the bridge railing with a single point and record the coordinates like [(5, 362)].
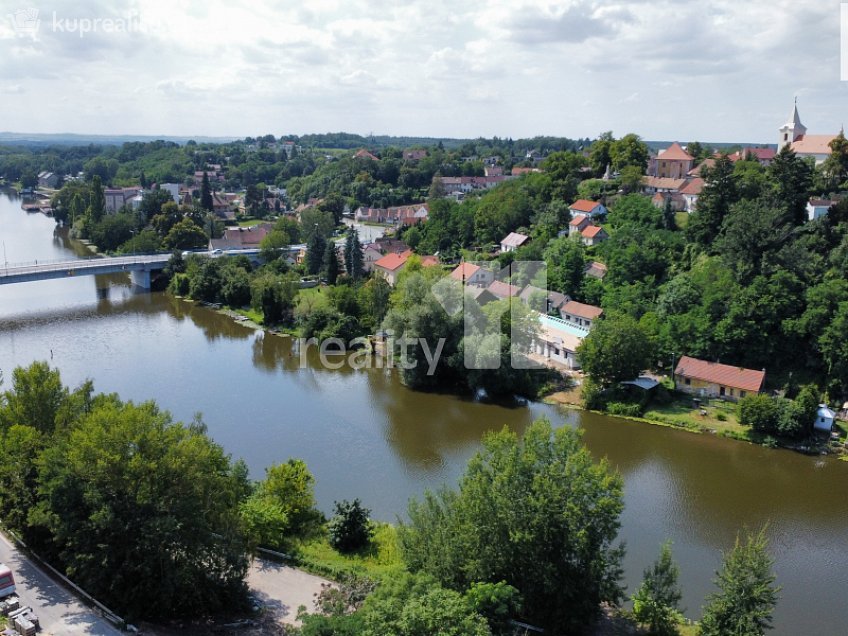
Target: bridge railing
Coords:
[(123, 258)]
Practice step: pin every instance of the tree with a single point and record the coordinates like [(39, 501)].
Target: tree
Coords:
[(331, 264), (96, 202), (35, 399), (206, 193), (290, 485), (566, 264), (537, 513), (353, 254), (835, 166), (792, 179), (437, 190), (655, 603), (185, 235), (497, 602), (142, 512), (350, 528), (718, 195), (629, 151), (315, 250), (274, 296), (747, 594), (616, 349), (600, 153)]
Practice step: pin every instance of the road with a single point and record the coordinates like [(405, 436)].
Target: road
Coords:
[(59, 611), (283, 589)]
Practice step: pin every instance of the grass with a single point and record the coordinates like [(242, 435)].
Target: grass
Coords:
[(251, 314), (380, 559), (682, 413)]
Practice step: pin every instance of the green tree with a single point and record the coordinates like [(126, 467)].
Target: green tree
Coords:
[(290, 485), (274, 296), (834, 348), (264, 521), (497, 602), (331, 263), (835, 167), (537, 513), (656, 601), (185, 235), (566, 262), (353, 254), (350, 528), (20, 448), (206, 193), (629, 152), (272, 246), (35, 399), (791, 178), (142, 512), (616, 349), (718, 195), (747, 592), (315, 250), (600, 153), (96, 202)]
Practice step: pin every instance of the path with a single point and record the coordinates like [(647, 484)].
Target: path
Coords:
[(283, 588)]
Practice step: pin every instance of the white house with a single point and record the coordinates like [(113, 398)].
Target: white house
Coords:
[(824, 419), (513, 241), (585, 207), (817, 208), (471, 274), (173, 189)]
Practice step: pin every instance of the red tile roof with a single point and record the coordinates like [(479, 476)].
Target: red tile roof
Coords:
[(722, 374), (514, 239), (581, 309), (580, 219), (695, 186), (592, 231), (393, 261), (584, 205), (674, 153), (464, 271), (503, 290), (813, 144)]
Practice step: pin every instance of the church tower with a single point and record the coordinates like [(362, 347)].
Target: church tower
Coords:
[(791, 130)]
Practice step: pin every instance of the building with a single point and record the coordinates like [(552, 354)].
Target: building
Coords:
[(817, 208), (397, 215), (596, 270), (672, 163), (825, 418), (578, 224), (117, 198), (241, 238), (652, 185), (764, 156), (469, 184), (690, 193), (513, 241), (474, 275), (676, 200), (545, 302), (391, 265), (558, 341), (370, 254), (580, 315), (585, 207), (364, 154), (173, 189), (794, 134), (493, 171), (414, 154), (519, 170), (593, 235), (501, 290), (48, 179), (713, 379)]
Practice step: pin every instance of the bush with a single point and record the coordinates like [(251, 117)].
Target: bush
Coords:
[(721, 417), (179, 285), (350, 529), (627, 410)]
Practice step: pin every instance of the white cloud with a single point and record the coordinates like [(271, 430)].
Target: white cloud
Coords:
[(662, 68)]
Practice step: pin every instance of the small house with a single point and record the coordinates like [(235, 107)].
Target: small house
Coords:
[(585, 207), (580, 314), (578, 224), (713, 379), (825, 418), (513, 241), (593, 235), (473, 275)]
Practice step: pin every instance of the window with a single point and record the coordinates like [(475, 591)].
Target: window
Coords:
[(721, 390), (688, 381), (741, 393), (785, 136)]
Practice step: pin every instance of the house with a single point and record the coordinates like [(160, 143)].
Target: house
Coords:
[(672, 163), (117, 198), (794, 134), (414, 154), (593, 235), (513, 241), (364, 154), (173, 189), (519, 170), (473, 275), (580, 315), (690, 193), (391, 265), (501, 290), (558, 341), (595, 270), (585, 207), (817, 208), (824, 419), (707, 164), (661, 199), (48, 179), (241, 238), (713, 379), (289, 147), (222, 206), (764, 156), (652, 185), (387, 245), (493, 171), (468, 184), (578, 224), (370, 254)]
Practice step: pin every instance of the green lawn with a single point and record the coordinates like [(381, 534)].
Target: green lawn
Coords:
[(382, 558), (720, 417)]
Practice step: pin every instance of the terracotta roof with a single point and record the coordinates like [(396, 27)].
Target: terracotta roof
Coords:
[(464, 271), (596, 270), (581, 309), (663, 183), (706, 163), (760, 154), (514, 239), (364, 154), (695, 186), (502, 289), (723, 374), (674, 153), (580, 219), (592, 231), (429, 261), (584, 205), (521, 170), (813, 144), (393, 261)]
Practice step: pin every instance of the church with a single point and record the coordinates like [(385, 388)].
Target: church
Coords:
[(794, 134)]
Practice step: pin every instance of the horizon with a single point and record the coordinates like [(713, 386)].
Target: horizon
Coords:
[(684, 70)]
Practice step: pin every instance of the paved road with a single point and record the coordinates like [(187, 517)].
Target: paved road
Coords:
[(283, 589), (59, 611)]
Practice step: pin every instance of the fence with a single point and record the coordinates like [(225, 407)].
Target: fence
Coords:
[(99, 607)]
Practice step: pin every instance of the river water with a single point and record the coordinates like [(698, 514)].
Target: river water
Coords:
[(365, 435)]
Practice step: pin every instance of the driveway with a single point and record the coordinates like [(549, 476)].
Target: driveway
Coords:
[(59, 612), (283, 588)]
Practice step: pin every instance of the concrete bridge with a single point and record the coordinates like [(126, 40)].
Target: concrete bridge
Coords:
[(139, 268)]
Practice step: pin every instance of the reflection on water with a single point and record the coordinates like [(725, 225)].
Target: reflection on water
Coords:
[(365, 435)]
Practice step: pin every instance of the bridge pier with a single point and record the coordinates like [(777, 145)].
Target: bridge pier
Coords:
[(141, 279)]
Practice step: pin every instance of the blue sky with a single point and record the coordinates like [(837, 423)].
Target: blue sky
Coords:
[(713, 70)]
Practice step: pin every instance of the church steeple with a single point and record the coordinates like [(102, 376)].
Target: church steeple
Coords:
[(792, 129)]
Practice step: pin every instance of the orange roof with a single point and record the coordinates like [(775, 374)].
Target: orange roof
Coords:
[(674, 153), (393, 261), (592, 231), (464, 271), (813, 144), (579, 220), (584, 205), (364, 154), (723, 374), (706, 163), (429, 261), (581, 309), (503, 290)]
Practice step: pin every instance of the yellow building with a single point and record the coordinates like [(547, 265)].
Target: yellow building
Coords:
[(713, 379)]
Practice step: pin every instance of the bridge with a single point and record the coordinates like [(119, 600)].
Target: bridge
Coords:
[(139, 268)]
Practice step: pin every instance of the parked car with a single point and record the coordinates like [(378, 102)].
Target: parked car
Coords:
[(7, 581)]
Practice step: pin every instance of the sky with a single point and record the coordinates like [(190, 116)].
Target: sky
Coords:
[(708, 70)]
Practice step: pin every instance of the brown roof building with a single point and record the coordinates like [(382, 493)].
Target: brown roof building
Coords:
[(713, 379)]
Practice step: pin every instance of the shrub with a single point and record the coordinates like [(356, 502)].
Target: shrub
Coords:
[(350, 529), (627, 410), (721, 417)]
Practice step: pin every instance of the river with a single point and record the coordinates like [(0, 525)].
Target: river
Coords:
[(365, 435)]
